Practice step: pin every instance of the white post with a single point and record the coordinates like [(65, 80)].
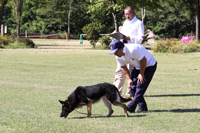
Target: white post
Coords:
[(26, 34), (5, 30), (2, 30)]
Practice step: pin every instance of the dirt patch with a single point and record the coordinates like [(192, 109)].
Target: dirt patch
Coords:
[(61, 44)]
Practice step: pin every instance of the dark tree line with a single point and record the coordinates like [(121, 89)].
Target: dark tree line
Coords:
[(165, 18)]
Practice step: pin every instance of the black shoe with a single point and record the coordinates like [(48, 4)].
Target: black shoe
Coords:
[(130, 110), (142, 110)]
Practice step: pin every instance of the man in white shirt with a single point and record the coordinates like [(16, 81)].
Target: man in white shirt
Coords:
[(133, 29), (144, 68)]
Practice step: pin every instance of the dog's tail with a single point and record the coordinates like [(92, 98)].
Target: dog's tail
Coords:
[(124, 100)]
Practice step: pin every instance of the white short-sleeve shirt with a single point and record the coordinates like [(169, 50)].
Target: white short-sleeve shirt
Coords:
[(134, 29), (133, 55)]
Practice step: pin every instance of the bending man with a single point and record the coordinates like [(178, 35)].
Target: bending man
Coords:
[(144, 68)]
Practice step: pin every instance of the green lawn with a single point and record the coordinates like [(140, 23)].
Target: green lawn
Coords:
[(33, 80)]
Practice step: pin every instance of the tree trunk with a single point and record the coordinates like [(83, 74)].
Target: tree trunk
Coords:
[(115, 18), (2, 9), (18, 28), (197, 19), (69, 19), (115, 21), (18, 4), (143, 13)]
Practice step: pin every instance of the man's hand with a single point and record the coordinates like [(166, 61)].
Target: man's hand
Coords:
[(126, 73), (130, 83), (141, 78), (127, 38)]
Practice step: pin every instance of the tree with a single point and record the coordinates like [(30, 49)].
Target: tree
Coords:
[(93, 31), (70, 5), (115, 7), (54, 14), (111, 6), (173, 19), (18, 4), (31, 19), (189, 9), (197, 19), (3, 4)]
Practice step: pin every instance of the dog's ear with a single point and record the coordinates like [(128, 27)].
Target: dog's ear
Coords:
[(62, 102)]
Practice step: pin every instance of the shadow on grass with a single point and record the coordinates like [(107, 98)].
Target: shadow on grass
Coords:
[(173, 95), (140, 115), (176, 110), (101, 116)]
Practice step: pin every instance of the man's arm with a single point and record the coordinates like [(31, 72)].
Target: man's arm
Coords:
[(127, 74), (143, 63)]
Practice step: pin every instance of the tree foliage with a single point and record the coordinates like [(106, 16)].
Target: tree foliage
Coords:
[(165, 18), (116, 8), (171, 20), (3, 4), (93, 31)]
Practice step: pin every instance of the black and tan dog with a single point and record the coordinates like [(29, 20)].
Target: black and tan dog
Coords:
[(88, 95)]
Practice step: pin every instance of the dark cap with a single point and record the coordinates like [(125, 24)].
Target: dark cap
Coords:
[(115, 45)]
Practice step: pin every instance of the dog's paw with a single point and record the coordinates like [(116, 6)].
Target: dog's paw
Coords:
[(126, 115), (110, 113)]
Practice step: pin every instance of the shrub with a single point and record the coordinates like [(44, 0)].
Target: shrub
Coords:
[(9, 42), (15, 45), (175, 46), (27, 42), (163, 46), (193, 46), (92, 32), (105, 41), (5, 40), (1, 45)]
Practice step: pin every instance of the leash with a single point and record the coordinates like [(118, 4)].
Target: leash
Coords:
[(80, 112), (86, 113)]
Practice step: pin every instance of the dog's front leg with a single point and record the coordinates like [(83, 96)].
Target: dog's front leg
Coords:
[(89, 109)]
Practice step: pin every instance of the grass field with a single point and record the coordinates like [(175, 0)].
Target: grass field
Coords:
[(33, 80)]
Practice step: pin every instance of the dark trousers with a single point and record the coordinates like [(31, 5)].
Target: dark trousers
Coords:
[(139, 89)]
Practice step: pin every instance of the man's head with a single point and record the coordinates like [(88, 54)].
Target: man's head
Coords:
[(116, 47), (129, 13)]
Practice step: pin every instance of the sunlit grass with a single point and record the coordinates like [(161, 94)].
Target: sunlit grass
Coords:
[(33, 80)]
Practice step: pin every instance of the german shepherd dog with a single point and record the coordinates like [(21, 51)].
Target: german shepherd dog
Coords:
[(88, 95)]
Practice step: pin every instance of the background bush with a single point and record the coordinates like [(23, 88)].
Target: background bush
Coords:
[(10, 42), (175, 46), (105, 41), (5, 40), (92, 32), (27, 42)]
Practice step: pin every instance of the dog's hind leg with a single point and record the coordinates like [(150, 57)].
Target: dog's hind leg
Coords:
[(123, 106), (108, 105), (89, 108)]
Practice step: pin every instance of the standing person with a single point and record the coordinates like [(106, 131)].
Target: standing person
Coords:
[(144, 68), (133, 29)]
